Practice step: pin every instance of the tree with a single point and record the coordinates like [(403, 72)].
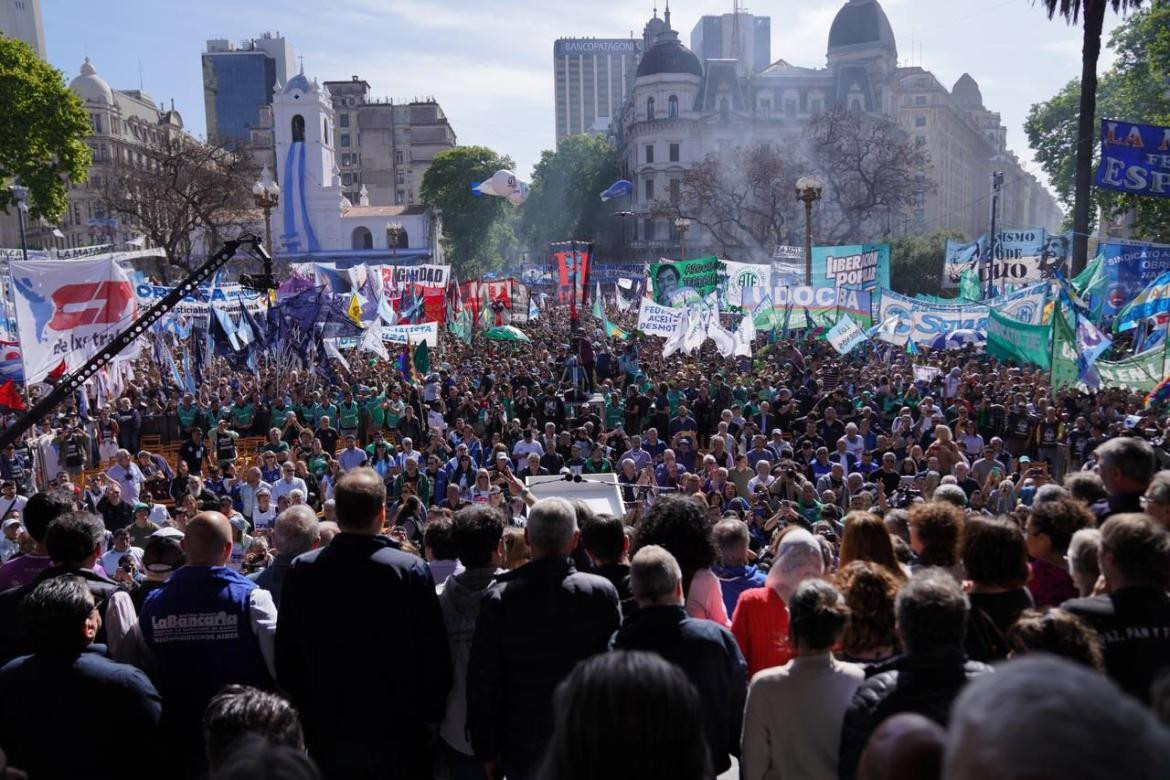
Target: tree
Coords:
[(916, 262), (468, 219), (43, 127), (179, 189), (564, 201), (1134, 89), (1093, 12)]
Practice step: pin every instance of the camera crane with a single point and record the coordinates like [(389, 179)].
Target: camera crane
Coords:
[(74, 381)]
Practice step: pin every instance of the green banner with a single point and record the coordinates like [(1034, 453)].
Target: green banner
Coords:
[(679, 282), (1141, 372), (1009, 339)]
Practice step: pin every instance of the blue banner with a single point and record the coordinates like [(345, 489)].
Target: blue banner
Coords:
[(1135, 158), (856, 267), (1129, 268)]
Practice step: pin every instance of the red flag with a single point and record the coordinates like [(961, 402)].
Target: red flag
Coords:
[(10, 397), (57, 372)]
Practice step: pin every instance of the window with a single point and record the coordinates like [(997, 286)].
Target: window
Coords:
[(362, 238), (402, 242), (343, 120), (919, 215), (649, 189), (920, 121), (649, 153), (920, 140), (766, 108), (920, 100), (790, 107), (346, 179), (298, 128), (97, 122), (673, 152), (816, 106), (672, 107), (400, 197), (400, 178), (325, 131), (648, 229), (650, 108), (675, 190), (919, 198), (345, 139), (399, 156)]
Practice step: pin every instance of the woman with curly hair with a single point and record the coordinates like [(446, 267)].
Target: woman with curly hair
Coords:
[(1059, 633), (680, 524), (870, 590), (1049, 530), (866, 538), (934, 537)]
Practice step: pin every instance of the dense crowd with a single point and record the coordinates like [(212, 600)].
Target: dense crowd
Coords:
[(823, 567)]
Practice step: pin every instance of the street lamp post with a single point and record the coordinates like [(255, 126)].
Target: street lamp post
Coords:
[(808, 191), (267, 195), (20, 195), (682, 225), (393, 232)]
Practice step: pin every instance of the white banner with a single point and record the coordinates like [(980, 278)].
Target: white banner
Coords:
[(195, 309), (923, 321), (1026, 305), (845, 335), (657, 320), (68, 311), (395, 277), (744, 276), (423, 331), (926, 374)]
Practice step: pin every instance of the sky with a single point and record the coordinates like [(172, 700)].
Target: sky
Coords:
[(489, 64)]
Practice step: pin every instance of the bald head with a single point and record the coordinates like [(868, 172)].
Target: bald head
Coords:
[(208, 539), (906, 746)]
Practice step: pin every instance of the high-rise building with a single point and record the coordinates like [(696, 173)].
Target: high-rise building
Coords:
[(593, 76), (21, 19), (238, 80), (715, 37), (384, 147)]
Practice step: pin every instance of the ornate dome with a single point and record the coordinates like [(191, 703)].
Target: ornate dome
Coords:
[(669, 56), (91, 87), (966, 91), (300, 83), (862, 23)]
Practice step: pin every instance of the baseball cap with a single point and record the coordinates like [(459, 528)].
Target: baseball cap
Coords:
[(163, 553), (238, 522), (140, 506)]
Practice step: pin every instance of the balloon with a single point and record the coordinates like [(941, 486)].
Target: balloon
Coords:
[(619, 189), (503, 183)]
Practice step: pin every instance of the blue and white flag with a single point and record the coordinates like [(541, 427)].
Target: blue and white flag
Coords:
[(534, 312), (845, 335), (886, 330)]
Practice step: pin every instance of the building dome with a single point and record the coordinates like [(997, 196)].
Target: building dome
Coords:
[(669, 56), (966, 92), (862, 23), (91, 87), (299, 83)]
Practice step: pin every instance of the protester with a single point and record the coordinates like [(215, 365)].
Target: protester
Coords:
[(296, 531), (238, 712), (735, 573), (679, 525), (995, 558)]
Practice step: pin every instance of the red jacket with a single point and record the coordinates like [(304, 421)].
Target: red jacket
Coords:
[(760, 625)]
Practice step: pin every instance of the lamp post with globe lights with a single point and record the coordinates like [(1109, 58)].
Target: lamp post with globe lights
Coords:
[(808, 191), (267, 194), (393, 233), (681, 226)]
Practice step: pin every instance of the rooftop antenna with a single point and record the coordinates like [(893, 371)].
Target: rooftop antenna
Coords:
[(666, 14), (140, 88), (735, 30)]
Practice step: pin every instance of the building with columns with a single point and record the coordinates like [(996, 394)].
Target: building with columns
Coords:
[(682, 109)]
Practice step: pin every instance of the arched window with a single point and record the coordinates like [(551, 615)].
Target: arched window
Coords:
[(362, 238), (298, 128), (403, 242), (650, 108), (672, 107), (325, 131)]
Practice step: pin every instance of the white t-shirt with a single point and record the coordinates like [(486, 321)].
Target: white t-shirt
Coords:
[(262, 521), (11, 507), (110, 560)]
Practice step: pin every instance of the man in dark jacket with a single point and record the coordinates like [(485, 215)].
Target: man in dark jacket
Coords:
[(534, 625), (295, 531), (1133, 618), (705, 650), (1126, 465), (931, 620), (605, 542), (362, 597), (43, 695)]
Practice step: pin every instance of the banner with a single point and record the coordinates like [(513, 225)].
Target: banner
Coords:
[(1154, 299), (845, 335), (1024, 256), (571, 259), (679, 282), (400, 334), (1009, 339), (1026, 305), (655, 320), (1129, 268), (926, 374), (1141, 372), (920, 321), (858, 267), (1135, 158), (612, 272), (813, 301), (396, 277), (195, 309), (68, 311), (744, 276)]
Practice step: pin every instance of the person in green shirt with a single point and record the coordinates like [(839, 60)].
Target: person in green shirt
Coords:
[(188, 412), (322, 408), (317, 460), (243, 414), (395, 409), (376, 414), (348, 415), (276, 444)]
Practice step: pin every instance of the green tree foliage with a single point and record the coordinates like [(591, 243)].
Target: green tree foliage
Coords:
[(916, 262), (1134, 89), (564, 202), (43, 126), (470, 240)]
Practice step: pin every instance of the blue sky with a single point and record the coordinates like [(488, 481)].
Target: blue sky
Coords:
[(490, 64)]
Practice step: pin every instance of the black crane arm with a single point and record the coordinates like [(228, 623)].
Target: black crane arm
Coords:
[(74, 381)]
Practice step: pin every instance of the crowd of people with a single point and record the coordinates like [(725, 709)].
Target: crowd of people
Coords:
[(823, 567)]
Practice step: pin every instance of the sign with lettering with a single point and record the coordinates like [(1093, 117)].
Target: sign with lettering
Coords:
[(923, 321), (1135, 158), (656, 320), (857, 267)]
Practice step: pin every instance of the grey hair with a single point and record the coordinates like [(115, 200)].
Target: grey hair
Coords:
[(931, 611), (952, 494), (296, 530), (1159, 491), (551, 524), (1049, 492), (654, 574), (1134, 458), (1090, 728)]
